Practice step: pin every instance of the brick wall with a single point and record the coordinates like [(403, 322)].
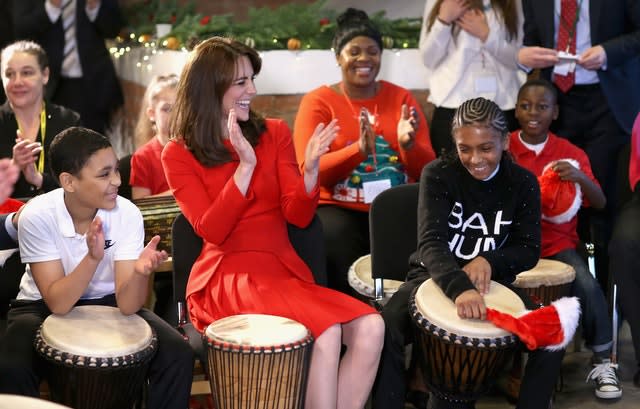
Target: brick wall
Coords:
[(238, 8), (276, 106)]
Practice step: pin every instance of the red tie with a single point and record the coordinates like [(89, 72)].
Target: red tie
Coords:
[(567, 40)]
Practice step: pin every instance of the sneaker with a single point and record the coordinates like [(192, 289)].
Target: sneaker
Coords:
[(606, 377)]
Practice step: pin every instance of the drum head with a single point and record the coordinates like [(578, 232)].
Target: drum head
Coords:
[(23, 402), (547, 273), (360, 279), (96, 331), (257, 330), (440, 311)]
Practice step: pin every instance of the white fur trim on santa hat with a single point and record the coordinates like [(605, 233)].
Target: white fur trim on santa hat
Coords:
[(568, 309), (568, 214)]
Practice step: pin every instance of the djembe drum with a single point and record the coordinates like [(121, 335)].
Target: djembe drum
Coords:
[(547, 281), (258, 361), (158, 214), (97, 358), (25, 402), (461, 357), (359, 277)]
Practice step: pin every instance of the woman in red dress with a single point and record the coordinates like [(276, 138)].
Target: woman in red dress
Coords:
[(236, 179)]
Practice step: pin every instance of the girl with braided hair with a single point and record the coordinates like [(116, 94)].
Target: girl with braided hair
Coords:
[(478, 220)]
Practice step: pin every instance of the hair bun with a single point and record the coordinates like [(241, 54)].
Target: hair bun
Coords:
[(352, 16), (353, 23)]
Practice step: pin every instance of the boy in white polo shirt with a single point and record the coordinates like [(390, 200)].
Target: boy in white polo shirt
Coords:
[(83, 244)]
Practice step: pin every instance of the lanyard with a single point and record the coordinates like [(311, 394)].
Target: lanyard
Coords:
[(374, 120), (43, 131), (571, 29)]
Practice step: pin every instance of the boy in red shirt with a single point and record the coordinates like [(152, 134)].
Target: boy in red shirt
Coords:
[(536, 148)]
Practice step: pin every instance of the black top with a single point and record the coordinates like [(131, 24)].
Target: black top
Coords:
[(58, 119), (460, 218)]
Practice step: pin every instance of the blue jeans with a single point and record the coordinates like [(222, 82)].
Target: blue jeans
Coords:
[(596, 322)]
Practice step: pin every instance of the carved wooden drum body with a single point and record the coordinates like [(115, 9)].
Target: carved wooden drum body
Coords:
[(461, 357), (258, 361), (97, 358)]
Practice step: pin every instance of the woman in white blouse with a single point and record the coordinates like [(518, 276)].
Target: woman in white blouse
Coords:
[(470, 49)]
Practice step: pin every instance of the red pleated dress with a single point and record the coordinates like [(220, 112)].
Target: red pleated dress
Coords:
[(247, 264)]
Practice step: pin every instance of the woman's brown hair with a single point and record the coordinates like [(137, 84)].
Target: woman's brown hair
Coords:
[(505, 9), (197, 116)]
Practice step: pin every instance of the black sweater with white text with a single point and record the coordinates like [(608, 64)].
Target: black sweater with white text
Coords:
[(460, 218)]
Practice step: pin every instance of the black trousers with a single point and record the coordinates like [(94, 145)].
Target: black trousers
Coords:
[(21, 369), (346, 237), (624, 252), (389, 390)]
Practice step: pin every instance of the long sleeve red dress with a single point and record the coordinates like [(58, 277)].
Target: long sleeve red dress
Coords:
[(247, 264)]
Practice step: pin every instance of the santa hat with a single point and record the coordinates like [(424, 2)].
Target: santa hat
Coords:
[(10, 205), (551, 327), (561, 199)]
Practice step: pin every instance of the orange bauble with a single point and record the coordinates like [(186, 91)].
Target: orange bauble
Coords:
[(171, 43), (144, 38), (293, 44)]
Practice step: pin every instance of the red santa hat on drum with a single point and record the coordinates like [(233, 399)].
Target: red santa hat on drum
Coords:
[(560, 199), (551, 327)]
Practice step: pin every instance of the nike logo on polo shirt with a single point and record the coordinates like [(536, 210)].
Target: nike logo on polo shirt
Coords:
[(108, 243)]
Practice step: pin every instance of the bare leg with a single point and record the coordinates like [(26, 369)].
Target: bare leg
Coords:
[(322, 386), (363, 337)]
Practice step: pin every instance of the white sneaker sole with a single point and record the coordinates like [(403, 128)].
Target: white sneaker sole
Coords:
[(608, 394)]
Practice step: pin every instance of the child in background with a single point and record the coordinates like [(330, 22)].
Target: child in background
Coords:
[(147, 175), (152, 133), (536, 148), (83, 245)]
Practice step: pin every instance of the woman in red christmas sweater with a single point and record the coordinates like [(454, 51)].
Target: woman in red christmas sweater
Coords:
[(383, 141)]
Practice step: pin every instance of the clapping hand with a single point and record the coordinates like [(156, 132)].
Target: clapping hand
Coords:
[(9, 173), (319, 144), (150, 258), (242, 146), (95, 239), (25, 154), (367, 141), (407, 127)]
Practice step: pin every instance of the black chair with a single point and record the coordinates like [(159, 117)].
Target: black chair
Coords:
[(393, 224), (10, 275), (308, 243), (124, 165)]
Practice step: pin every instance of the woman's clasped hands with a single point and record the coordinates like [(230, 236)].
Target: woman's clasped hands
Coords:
[(25, 155)]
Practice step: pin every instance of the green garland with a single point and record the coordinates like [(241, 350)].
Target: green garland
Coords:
[(292, 26)]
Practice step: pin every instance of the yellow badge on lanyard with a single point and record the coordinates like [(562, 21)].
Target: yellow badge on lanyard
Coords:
[(43, 129)]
